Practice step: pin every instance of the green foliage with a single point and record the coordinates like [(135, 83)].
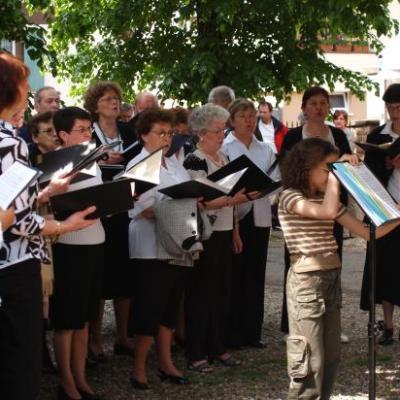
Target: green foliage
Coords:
[(185, 47)]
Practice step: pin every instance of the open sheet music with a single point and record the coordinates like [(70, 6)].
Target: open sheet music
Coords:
[(367, 191), (14, 180)]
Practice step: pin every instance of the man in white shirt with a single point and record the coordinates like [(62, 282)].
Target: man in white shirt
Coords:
[(269, 129)]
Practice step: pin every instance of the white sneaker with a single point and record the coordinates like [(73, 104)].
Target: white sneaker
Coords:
[(344, 338)]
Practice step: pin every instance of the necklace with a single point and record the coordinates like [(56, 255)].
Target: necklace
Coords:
[(215, 159), (106, 140)]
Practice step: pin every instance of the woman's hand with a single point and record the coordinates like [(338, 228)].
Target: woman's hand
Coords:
[(148, 213), (351, 158), (114, 157), (77, 221), (216, 204), (57, 185), (7, 217), (240, 197), (237, 241)]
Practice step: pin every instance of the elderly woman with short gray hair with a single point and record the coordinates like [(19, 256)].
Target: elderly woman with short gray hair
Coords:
[(207, 292)]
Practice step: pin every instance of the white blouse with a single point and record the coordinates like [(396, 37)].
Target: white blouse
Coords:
[(261, 155), (93, 234), (143, 239)]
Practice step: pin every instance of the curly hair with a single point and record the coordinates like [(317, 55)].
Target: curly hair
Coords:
[(96, 91), (301, 159), (148, 118)]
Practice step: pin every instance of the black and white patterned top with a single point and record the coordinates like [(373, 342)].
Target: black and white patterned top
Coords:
[(23, 240)]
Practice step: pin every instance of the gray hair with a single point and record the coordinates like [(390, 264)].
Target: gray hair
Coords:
[(222, 93), (201, 117), (38, 92), (124, 107)]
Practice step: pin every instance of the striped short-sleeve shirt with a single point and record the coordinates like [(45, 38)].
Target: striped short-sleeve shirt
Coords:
[(305, 236)]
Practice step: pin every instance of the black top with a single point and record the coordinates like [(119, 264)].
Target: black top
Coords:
[(375, 160), (295, 135)]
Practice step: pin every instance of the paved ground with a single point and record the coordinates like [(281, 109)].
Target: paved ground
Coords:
[(263, 373)]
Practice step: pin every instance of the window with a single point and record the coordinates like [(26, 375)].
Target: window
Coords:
[(6, 45), (338, 101)]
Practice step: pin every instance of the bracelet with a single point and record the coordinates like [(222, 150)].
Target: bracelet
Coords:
[(58, 228)]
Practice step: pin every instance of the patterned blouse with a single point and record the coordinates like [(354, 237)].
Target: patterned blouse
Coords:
[(23, 240)]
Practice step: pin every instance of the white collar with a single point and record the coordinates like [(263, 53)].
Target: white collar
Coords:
[(232, 138), (387, 130)]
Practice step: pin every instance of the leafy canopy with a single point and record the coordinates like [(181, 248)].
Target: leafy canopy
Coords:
[(185, 47)]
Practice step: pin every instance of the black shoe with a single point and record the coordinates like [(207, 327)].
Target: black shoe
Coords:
[(89, 396), (137, 384), (122, 350), (386, 338), (259, 344), (92, 359), (62, 394), (177, 380)]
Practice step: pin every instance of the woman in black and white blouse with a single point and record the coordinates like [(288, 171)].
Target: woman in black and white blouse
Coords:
[(23, 249)]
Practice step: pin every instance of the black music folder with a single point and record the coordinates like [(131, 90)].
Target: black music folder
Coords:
[(109, 198), (69, 160), (145, 173), (132, 151), (195, 188), (253, 179), (388, 149)]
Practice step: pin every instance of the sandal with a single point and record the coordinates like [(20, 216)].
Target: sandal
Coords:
[(229, 361), (202, 367)]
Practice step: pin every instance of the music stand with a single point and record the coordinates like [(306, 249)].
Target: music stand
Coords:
[(379, 207)]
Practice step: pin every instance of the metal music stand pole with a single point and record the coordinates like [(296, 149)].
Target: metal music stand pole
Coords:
[(372, 326)]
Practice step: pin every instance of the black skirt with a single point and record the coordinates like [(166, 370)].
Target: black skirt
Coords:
[(387, 271), (21, 325), (78, 271), (158, 295), (118, 271)]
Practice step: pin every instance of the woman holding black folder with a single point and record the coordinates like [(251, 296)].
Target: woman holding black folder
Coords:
[(208, 288), (78, 269), (23, 248), (387, 169), (103, 100), (158, 285), (248, 272)]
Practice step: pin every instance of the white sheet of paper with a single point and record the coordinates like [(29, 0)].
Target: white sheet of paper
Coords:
[(13, 181)]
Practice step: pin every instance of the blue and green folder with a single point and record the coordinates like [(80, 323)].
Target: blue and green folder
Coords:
[(367, 191)]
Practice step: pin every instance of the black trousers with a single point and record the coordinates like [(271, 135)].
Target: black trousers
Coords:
[(248, 284), (20, 331), (207, 298), (338, 233)]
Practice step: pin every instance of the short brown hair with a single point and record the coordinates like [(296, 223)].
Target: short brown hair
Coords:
[(181, 115), (13, 72), (240, 104), (314, 91), (301, 159), (150, 117), (96, 91), (338, 113), (265, 103), (33, 124)]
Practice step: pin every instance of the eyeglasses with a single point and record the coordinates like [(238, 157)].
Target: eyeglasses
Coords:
[(164, 134), (216, 131), (325, 169), (82, 130), (48, 131), (109, 99)]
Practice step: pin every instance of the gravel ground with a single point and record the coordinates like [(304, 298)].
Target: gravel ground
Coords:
[(263, 372)]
